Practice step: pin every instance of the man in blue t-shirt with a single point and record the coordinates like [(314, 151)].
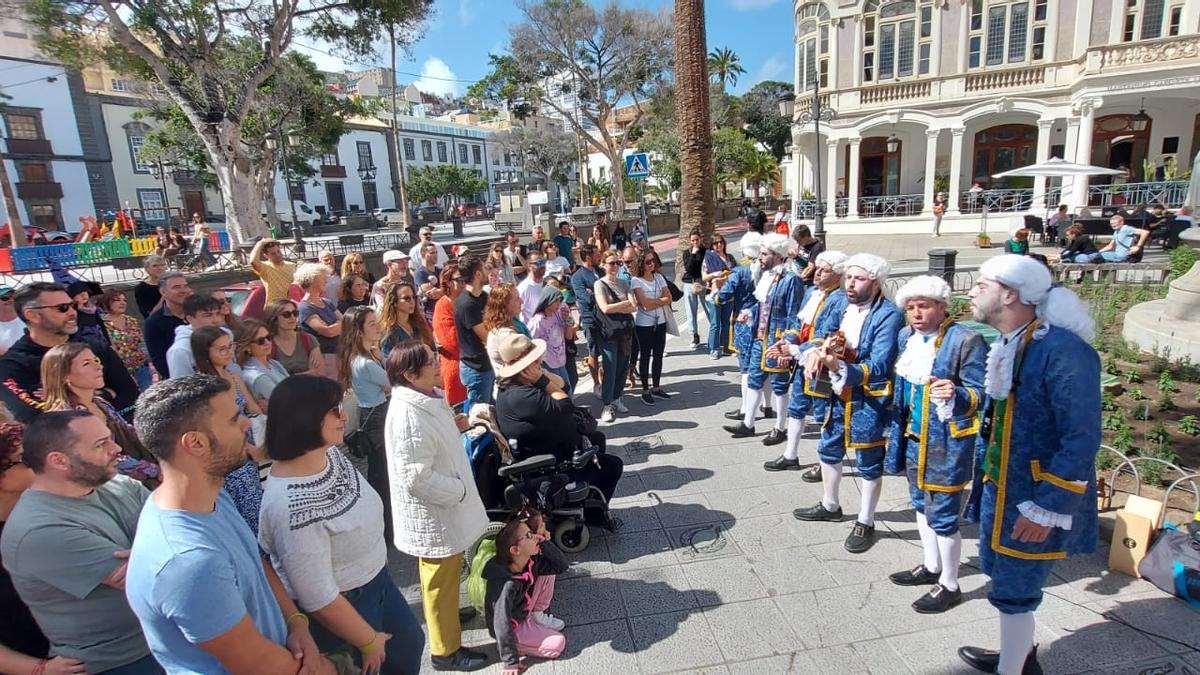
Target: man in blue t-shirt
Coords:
[(1127, 242), (206, 599), (565, 242)]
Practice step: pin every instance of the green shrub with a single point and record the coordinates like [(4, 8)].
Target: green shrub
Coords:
[(1113, 421), (1108, 402), (1166, 383), (1186, 371), (1123, 440), (1107, 461), (1182, 259), (1132, 376), (1111, 366), (1137, 395), (1158, 434), (1124, 350), (1190, 425), (1160, 361), (1141, 413), (1165, 403)]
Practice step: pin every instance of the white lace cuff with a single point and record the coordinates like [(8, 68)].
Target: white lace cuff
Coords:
[(944, 408), (838, 378), (1040, 516), (795, 351)]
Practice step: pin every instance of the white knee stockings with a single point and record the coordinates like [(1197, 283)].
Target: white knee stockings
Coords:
[(781, 404), (870, 500), (795, 429), (942, 553), (750, 409), (1016, 641), (831, 479)]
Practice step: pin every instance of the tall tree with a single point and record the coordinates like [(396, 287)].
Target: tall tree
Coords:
[(443, 182), (547, 151), (692, 119), (568, 50), (760, 109), (724, 67), (181, 46)]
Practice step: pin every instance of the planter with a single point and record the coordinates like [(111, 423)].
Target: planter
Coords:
[(983, 241)]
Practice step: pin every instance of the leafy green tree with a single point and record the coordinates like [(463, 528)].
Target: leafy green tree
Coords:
[(185, 48), (724, 67), (760, 168), (442, 183), (547, 151), (760, 109)]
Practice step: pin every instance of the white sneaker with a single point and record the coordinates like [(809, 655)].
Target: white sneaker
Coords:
[(608, 415), (619, 406), (547, 620)]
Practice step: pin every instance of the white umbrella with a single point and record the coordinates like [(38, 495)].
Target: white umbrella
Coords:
[(1056, 167)]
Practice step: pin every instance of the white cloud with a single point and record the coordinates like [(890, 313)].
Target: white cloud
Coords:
[(751, 5), (435, 78), (466, 11), (772, 69)]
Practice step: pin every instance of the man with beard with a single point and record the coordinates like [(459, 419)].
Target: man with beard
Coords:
[(768, 311), (823, 307), (860, 393), (207, 601), (50, 318), (937, 389), (739, 292), (67, 541), (1035, 480)]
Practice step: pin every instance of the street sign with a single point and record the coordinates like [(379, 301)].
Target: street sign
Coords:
[(637, 165)]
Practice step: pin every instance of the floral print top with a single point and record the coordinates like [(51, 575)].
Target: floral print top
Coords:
[(129, 343)]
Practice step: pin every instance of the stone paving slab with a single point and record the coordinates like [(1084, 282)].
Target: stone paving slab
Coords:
[(710, 573)]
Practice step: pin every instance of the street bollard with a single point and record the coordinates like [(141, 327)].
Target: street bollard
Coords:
[(941, 263)]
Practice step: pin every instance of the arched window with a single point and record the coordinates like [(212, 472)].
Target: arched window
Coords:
[(812, 39), (1000, 148), (897, 39), (1004, 32), (1151, 19)]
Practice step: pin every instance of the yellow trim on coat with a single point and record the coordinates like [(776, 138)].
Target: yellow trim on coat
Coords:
[(1057, 481), (924, 438), (973, 406), (886, 391), (957, 432)]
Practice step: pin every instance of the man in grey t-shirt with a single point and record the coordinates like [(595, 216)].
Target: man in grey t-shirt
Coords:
[(67, 539)]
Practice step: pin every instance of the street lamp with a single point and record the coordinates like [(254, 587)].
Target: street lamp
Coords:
[(814, 114), (281, 141), (366, 173), (159, 170)]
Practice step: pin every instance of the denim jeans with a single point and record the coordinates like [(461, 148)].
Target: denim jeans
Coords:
[(614, 358), (692, 303), (143, 666), (371, 429), (720, 316), (479, 384), (380, 604)]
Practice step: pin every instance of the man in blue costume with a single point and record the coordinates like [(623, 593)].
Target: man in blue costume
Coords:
[(856, 415), (1037, 446), (739, 292), (937, 391), (771, 310), (823, 307)]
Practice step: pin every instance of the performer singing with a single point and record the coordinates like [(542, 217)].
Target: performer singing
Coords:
[(937, 391), (856, 416), (739, 292), (823, 306), (773, 306), (1037, 447)]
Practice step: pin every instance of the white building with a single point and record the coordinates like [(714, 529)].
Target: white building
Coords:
[(937, 95), (561, 90), (429, 142)]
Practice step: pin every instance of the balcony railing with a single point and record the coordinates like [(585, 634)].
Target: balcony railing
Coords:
[(27, 146), (1005, 79), (40, 190), (890, 206), (888, 93), (996, 201), (1143, 54), (1169, 193), (333, 171)]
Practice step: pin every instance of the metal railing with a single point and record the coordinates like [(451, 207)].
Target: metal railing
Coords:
[(1169, 193), (890, 206), (996, 201)]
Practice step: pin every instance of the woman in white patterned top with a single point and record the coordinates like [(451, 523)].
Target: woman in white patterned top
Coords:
[(322, 526)]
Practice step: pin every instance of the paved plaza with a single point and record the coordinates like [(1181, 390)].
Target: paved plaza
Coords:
[(710, 573)]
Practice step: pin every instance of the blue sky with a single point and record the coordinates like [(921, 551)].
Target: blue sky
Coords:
[(455, 43)]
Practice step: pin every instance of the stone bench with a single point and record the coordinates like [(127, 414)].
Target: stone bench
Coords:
[(1143, 272)]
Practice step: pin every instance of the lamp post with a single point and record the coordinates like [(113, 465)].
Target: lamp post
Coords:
[(365, 174), (159, 170), (815, 114), (281, 141)]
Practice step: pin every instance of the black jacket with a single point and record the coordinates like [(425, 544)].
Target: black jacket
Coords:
[(160, 335), (506, 592), (21, 378)]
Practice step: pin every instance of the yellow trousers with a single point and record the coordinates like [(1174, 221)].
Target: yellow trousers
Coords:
[(439, 599)]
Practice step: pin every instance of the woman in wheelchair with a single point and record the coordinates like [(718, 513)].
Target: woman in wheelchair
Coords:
[(534, 409)]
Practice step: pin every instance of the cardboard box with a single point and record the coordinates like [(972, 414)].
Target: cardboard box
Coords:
[(1132, 533)]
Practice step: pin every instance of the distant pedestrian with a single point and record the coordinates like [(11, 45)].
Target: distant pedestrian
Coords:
[(694, 290), (939, 210), (718, 265)]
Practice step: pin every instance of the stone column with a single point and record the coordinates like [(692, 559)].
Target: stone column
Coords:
[(935, 49), (858, 52), (831, 172), (1083, 149), (931, 143), (1043, 154), (956, 156), (852, 188)]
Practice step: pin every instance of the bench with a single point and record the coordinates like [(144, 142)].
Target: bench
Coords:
[(1113, 272)]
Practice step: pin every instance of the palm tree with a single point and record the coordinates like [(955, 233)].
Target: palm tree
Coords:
[(692, 121), (724, 66), (760, 168)]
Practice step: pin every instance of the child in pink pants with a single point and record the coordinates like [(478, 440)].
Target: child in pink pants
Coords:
[(520, 585)]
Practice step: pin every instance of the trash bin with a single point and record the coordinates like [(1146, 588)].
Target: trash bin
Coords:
[(941, 263), (457, 223)]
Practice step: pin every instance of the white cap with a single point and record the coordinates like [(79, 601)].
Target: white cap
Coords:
[(752, 244), (926, 286), (835, 259), (877, 268), (779, 244), (390, 255)]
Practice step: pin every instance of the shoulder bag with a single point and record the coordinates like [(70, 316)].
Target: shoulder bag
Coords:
[(613, 326)]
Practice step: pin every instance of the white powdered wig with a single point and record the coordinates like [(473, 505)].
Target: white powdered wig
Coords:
[(835, 259), (1031, 280), (751, 244), (779, 244), (877, 268), (925, 286)]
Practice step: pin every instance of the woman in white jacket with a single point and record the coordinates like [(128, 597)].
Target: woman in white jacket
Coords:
[(437, 512)]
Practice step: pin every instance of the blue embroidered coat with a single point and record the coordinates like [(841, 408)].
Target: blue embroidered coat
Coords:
[(944, 454), (826, 320), (1049, 436), (861, 413), (738, 291), (783, 301)]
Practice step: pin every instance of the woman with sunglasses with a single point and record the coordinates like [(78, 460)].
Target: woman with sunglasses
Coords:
[(127, 338), (355, 292), (23, 646), (294, 349), (715, 270), (614, 297), (446, 335), (260, 372), (650, 324), (401, 318), (438, 512), (353, 263), (323, 531), (72, 378)]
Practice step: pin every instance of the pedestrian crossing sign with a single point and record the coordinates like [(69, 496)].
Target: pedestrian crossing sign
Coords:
[(637, 165)]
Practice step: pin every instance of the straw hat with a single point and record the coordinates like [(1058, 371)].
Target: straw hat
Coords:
[(517, 353)]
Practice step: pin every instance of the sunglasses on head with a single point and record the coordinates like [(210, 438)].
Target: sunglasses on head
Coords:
[(62, 307)]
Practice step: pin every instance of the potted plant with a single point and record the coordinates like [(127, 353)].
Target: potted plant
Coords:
[(982, 239)]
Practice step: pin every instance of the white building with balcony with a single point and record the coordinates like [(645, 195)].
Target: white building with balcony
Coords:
[(940, 95)]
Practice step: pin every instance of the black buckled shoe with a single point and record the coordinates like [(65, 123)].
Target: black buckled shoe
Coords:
[(739, 430), (775, 437), (463, 660), (734, 414), (861, 538), (987, 660), (818, 513), (917, 576), (813, 475), (782, 464), (937, 600)]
